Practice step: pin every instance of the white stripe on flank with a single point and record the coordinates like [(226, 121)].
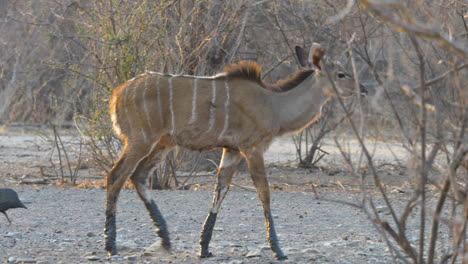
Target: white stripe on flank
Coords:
[(171, 105), (145, 106), (158, 95), (144, 134), (212, 106), (226, 109), (194, 101)]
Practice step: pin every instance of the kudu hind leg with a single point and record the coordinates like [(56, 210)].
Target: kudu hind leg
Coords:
[(140, 179), (116, 178), (227, 168), (257, 172)]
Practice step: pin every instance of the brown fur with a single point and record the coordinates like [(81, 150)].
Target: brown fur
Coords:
[(250, 70)]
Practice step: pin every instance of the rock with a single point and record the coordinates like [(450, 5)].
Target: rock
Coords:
[(310, 251), (236, 248), (14, 235), (126, 245), (116, 258), (131, 258), (90, 234), (255, 253), (92, 258), (67, 244), (12, 259), (154, 250), (25, 260), (290, 250), (236, 261)]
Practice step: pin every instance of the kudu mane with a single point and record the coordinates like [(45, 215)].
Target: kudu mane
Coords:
[(250, 70)]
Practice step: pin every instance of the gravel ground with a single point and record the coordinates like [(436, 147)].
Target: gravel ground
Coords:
[(65, 226)]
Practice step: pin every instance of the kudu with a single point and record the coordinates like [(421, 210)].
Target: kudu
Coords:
[(235, 110)]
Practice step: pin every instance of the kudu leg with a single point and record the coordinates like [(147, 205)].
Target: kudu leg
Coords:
[(257, 172), (227, 167), (140, 179), (116, 178)]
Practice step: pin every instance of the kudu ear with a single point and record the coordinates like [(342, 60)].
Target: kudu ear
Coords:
[(302, 56), (316, 54)]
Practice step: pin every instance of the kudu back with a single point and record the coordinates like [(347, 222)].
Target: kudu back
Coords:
[(235, 110)]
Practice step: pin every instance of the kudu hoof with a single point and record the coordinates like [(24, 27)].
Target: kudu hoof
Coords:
[(167, 247), (282, 257), (111, 251), (206, 255)]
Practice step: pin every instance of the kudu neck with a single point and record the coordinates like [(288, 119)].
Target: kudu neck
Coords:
[(301, 106)]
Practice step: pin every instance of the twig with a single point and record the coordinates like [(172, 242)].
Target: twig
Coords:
[(59, 153), (435, 221), (423, 169), (376, 178), (64, 152), (413, 28)]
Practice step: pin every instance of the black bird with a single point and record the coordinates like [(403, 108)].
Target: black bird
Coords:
[(8, 200)]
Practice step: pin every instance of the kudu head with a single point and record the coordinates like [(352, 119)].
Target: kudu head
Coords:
[(344, 82)]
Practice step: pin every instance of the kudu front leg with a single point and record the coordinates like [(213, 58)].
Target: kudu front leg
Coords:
[(257, 172), (227, 167)]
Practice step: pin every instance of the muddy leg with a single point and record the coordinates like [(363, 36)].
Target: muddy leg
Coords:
[(257, 172), (227, 167), (141, 181)]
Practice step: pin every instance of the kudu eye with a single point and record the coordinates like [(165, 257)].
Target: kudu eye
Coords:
[(341, 74)]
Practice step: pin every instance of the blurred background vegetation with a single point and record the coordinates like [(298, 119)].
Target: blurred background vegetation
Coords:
[(62, 58)]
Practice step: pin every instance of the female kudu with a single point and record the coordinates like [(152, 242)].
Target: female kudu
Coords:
[(235, 110)]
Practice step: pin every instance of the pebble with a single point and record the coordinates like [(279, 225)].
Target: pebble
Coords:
[(66, 244), (155, 250), (14, 235), (235, 249), (255, 253), (290, 250), (92, 258), (15, 260), (131, 258), (126, 245), (310, 251)]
